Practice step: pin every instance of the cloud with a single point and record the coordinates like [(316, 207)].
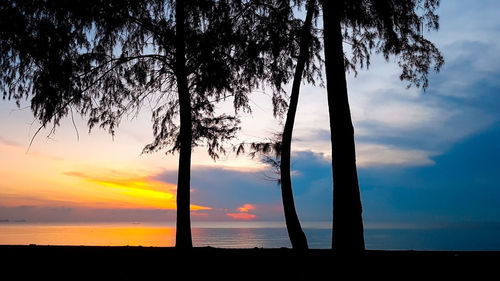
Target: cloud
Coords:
[(246, 208), (242, 216), (467, 19), (243, 213), (312, 185), (229, 191), (396, 126), (137, 189), (461, 186), (226, 188), (16, 200), (370, 155), (82, 214)]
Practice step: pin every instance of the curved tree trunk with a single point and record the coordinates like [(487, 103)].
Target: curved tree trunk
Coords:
[(297, 236), (347, 234), (183, 226)]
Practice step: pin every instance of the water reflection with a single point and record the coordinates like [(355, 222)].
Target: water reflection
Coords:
[(162, 235), (241, 237), (139, 235), (87, 235)]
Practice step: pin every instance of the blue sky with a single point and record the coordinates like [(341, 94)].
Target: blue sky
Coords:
[(424, 158)]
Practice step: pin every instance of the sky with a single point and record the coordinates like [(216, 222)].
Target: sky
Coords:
[(424, 158)]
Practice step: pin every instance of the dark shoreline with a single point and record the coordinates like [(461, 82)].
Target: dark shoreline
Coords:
[(118, 263)]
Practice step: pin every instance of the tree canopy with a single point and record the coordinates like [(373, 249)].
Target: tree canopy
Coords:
[(394, 29), (107, 59)]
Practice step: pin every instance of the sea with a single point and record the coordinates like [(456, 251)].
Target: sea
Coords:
[(480, 237)]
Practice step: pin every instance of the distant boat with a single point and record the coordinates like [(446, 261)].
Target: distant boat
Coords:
[(4, 220), (19, 220)]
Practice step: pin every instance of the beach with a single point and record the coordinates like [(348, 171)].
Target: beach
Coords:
[(152, 263)]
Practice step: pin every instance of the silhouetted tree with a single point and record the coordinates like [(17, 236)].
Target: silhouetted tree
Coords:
[(107, 59), (295, 232), (389, 27), (301, 53)]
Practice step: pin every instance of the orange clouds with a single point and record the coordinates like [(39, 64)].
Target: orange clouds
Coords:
[(134, 191), (245, 208), (242, 216), (243, 213)]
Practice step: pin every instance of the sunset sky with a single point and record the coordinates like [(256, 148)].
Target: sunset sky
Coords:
[(424, 158)]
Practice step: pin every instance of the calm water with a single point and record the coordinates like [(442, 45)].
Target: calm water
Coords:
[(244, 236)]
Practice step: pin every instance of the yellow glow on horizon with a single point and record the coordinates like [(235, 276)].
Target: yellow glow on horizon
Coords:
[(37, 179), (138, 192), (198, 208), (144, 192)]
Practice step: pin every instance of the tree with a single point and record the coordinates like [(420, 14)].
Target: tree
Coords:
[(295, 232), (106, 59), (300, 53), (390, 27)]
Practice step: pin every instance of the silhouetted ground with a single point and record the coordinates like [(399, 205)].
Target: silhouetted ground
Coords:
[(153, 263)]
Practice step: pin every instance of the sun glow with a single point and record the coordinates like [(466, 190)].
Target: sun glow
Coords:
[(140, 191), (64, 183)]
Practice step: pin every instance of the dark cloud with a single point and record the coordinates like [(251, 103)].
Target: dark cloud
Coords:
[(81, 214), (461, 186), (312, 185), (462, 100), (228, 188)]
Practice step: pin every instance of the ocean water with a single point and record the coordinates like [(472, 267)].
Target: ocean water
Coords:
[(245, 235)]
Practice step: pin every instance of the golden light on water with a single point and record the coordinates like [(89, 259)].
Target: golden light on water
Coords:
[(86, 235), (156, 234)]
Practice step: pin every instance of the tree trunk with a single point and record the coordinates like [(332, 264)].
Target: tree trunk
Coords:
[(183, 227), (347, 234), (297, 236)]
